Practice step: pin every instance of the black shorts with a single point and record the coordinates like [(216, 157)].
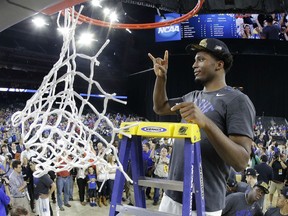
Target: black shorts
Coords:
[(92, 193)]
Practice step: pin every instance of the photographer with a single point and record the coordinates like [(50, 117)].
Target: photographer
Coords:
[(279, 174), (4, 193)]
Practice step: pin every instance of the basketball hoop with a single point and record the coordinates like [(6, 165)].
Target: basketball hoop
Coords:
[(185, 17), (101, 23)]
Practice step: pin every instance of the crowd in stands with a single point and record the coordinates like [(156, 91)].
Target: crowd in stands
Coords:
[(266, 172), (17, 167), (260, 26), (262, 189)]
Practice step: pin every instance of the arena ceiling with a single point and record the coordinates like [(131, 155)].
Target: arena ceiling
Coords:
[(28, 54)]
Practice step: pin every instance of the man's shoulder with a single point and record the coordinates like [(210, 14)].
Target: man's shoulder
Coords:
[(235, 196)]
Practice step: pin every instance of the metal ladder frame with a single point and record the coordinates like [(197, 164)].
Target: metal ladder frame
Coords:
[(132, 148)]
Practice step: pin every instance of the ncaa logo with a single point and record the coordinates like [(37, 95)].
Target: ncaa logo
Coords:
[(171, 32)]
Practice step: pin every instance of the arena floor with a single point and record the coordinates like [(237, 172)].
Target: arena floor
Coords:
[(77, 209)]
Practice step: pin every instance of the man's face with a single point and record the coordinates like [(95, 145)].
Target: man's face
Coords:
[(32, 166), (248, 178), (4, 150), (258, 193), (18, 169), (205, 67), (145, 148), (164, 152)]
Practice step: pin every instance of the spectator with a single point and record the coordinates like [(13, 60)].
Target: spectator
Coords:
[(233, 186), (4, 196), (43, 188), (279, 174), (92, 187), (161, 169), (251, 177), (112, 172), (281, 206), (81, 183), (246, 32), (270, 31), (62, 185), (245, 203), (19, 211), (148, 165), (18, 187), (264, 170)]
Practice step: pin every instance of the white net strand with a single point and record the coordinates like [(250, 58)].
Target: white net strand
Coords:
[(52, 124)]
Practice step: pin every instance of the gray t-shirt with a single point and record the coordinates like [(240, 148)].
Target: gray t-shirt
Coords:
[(233, 112), (236, 205)]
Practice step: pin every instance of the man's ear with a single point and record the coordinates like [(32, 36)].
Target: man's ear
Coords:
[(220, 65)]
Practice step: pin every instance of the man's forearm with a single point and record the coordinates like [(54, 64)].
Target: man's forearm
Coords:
[(160, 99)]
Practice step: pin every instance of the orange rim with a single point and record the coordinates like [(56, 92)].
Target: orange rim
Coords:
[(185, 17)]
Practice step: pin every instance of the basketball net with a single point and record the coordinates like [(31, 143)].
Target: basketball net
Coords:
[(52, 124)]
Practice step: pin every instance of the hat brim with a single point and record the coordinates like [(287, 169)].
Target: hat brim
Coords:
[(193, 48), (266, 191)]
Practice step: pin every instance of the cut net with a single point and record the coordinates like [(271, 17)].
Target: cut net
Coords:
[(52, 122)]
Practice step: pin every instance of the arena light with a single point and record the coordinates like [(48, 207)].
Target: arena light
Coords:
[(113, 17), (39, 22), (96, 3), (86, 38), (128, 30), (106, 11)]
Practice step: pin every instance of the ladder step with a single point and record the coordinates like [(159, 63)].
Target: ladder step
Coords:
[(160, 183), (133, 210)]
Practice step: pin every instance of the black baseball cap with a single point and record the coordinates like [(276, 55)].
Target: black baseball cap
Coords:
[(231, 182), (263, 185), (284, 192), (211, 45), (251, 171)]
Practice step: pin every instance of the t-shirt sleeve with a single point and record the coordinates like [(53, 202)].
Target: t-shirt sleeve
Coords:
[(173, 101), (240, 116)]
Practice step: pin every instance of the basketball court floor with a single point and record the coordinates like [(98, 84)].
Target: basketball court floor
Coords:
[(77, 209)]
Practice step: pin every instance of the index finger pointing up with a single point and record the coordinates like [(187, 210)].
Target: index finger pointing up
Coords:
[(166, 55), (151, 57)]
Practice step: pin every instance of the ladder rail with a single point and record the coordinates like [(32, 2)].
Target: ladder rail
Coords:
[(193, 174)]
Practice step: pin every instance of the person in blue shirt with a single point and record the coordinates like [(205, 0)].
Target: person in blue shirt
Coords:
[(92, 186), (4, 198)]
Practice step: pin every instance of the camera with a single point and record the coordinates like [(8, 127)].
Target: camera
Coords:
[(4, 180)]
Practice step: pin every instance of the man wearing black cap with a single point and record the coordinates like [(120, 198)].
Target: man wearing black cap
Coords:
[(224, 115), (281, 206), (246, 203), (264, 170), (251, 176)]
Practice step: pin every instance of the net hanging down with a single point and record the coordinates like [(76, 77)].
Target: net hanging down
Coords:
[(65, 141)]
